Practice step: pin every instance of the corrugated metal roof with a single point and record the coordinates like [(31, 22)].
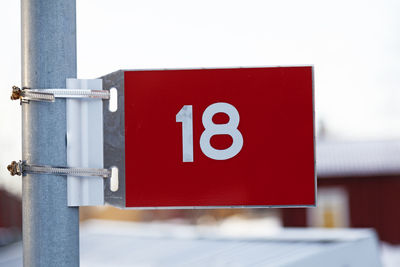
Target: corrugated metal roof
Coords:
[(373, 158)]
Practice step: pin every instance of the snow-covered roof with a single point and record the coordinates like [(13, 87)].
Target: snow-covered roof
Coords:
[(160, 244), (373, 158)]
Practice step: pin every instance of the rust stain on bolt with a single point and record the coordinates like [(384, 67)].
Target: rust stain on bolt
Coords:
[(16, 93), (13, 168)]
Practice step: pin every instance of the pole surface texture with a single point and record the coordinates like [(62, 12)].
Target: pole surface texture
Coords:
[(50, 227)]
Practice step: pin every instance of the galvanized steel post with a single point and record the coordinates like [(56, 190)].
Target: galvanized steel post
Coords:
[(50, 227)]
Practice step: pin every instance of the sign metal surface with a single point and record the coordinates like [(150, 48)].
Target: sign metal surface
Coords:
[(206, 138)]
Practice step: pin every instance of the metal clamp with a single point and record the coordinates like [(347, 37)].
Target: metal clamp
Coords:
[(20, 168), (49, 95)]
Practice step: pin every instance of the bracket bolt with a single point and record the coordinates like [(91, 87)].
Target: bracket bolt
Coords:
[(14, 168), (16, 93)]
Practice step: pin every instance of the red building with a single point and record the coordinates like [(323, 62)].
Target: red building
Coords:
[(10, 218), (358, 186), (10, 210)]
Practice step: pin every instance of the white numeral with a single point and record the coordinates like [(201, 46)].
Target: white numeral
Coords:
[(185, 116), (229, 128)]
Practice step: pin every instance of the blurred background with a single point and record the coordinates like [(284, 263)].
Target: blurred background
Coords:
[(353, 46)]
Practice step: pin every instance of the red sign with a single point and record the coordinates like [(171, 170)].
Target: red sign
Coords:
[(219, 137)]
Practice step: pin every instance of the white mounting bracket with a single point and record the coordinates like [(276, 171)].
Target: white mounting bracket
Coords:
[(85, 143)]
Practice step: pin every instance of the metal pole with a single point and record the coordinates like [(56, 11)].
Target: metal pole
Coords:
[(50, 228)]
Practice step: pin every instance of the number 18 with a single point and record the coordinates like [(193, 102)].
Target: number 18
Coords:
[(185, 116)]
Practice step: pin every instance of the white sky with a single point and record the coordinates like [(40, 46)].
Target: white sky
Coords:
[(353, 45)]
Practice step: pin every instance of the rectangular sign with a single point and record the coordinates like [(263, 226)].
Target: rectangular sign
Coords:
[(239, 137)]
